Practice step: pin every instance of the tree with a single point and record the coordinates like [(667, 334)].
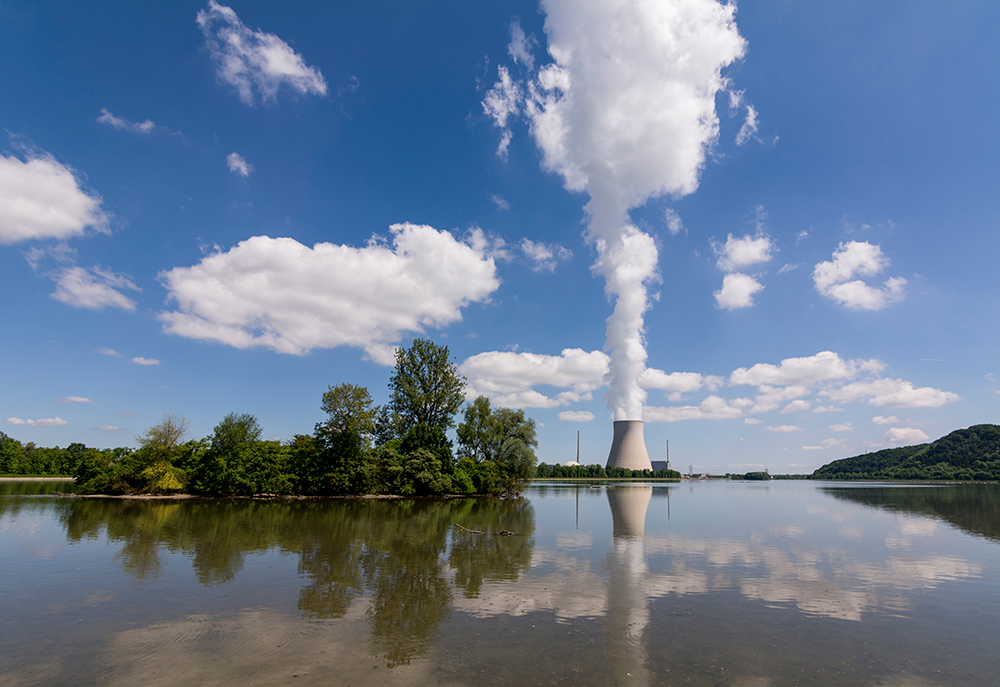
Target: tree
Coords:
[(338, 464), (166, 435), (474, 434), (239, 463), (425, 388)]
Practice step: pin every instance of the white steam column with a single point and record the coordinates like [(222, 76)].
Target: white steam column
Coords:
[(628, 448)]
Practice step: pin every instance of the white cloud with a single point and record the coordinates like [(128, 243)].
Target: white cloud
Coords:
[(812, 448), (122, 124), (238, 165), (824, 366), (508, 377), (845, 427), (801, 236), (798, 406), (521, 46), (749, 128), (673, 220), (502, 102), (73, 399), (788, 267), (892, 393), (830, 443), (712, 408), (41, 198), (784, 429), (905, 435), (737, 253), (500, 202), (752, 421), (771, 397), (576, 416), (43, 422), (95, 290), (254, 62), (145, 361), (827, 409), (737, 291), (990, 377), (879, 420), (111, 352), (837, 279), (280, 294), (684, 382), (544, 257), (110, 428)]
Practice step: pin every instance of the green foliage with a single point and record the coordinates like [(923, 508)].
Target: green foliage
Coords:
[(544, 471), (238, 463), (966, 454), (503, 437), (425, 387), (757, 476)]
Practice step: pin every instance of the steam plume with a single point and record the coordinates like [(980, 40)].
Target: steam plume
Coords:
[(626, 112)]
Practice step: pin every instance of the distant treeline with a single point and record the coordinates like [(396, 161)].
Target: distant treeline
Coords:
[(965, 454), (400, 448), (598, 472)]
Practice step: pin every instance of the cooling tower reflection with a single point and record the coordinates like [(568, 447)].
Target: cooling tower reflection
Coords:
[(628, 598)]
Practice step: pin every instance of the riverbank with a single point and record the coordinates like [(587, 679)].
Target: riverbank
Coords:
[(36, 478)]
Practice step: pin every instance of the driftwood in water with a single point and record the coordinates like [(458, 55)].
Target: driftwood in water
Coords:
[(502, 533)]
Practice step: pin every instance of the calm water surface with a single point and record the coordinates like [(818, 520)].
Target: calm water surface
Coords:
[(748, 584)]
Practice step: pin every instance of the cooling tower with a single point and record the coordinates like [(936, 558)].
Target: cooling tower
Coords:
[(628, 449)]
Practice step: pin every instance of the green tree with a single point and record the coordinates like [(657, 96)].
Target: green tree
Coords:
[(502, 437), (10, 455), (425, 387), (164, 436), (237, 462), (338, 462), (474, 435)]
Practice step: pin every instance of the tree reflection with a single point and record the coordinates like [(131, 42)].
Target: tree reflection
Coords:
[(399, 555), (974, 508)]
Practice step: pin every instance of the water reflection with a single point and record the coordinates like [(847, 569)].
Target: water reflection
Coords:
[(402, 558), (974, 508), (716, 584)]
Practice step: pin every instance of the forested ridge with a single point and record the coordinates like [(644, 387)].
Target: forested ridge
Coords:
[(399, 448), (965, 454)]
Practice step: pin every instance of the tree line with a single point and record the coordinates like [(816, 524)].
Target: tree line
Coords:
[(399, 448), (544, 471)]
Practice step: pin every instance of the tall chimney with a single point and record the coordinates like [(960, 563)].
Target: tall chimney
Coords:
[(628, 449)]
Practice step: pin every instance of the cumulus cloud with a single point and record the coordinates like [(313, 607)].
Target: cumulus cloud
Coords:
[(626, 112), (110, 352), (784, 429), (280, 294), (255, 63), (737, 291), (772, 397), (752, 421), (845, 427), (73, 399), (798, 406), (544, 257), (93, 290), (110, 428), (683, 382), (576, 416), (509, 377), (43, 422), (737, 253), (813, 448), (824, 366), (712, 408), (879, 420), (673, 221), (41, 198), (749, 128), (521, 46), (238, 165), (500, 202), (838, 278), (827, 409), (892, 393), (145, 361), (905, 435), (122, 124)]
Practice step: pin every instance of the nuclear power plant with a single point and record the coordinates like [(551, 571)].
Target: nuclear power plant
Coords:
[(628, 448)]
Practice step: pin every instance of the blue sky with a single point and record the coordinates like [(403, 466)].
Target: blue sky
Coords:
[(787, 211)]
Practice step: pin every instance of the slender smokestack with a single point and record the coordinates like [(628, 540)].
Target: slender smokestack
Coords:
[(628, 449)]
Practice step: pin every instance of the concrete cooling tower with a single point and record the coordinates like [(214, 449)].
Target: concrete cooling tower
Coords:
[(628, 449)]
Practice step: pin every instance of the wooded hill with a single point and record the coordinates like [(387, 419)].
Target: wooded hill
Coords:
[(965, 454)]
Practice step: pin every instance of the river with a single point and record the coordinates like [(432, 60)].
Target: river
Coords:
[(755, 584)]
